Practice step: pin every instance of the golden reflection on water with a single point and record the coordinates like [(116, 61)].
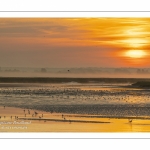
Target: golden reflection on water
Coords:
[(115, 125)]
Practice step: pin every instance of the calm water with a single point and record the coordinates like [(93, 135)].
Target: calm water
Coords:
[(94, 99)]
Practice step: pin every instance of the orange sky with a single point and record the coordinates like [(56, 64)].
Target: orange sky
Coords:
[(74, 42)]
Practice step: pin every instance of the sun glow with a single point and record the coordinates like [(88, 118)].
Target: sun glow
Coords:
[(135, 53), (135, 42)]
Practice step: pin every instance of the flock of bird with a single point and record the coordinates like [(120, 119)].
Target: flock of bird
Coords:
[(65, 95), (34, 114), (25, 113), (72, 95)]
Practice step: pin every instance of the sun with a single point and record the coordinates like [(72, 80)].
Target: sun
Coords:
[(135, 53)]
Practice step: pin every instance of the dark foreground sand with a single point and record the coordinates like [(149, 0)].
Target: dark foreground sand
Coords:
[(56, 122)]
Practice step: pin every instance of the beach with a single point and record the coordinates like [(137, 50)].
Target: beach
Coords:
[(73, 107), (73, 123)]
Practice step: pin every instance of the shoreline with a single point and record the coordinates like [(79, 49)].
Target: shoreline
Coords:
[(69, 79), (82, 115)]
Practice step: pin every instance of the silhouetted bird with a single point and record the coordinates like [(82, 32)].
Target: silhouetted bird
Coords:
[(70, 121), (130, 120), (28, 111)]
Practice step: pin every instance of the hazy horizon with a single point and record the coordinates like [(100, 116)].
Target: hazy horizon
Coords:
[(75, 72)]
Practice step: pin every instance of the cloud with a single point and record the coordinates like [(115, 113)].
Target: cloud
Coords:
[(67, 41)]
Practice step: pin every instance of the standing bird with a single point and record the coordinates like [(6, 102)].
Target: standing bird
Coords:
[(28, 111), (69, 120), (35, 113), (130, 120)]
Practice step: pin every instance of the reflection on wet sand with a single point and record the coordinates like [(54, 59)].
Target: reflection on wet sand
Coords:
[(14, 121), (74, 107)]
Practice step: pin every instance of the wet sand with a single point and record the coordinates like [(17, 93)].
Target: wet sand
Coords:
[(57, 122)]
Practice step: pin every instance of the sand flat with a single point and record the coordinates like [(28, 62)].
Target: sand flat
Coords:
[(55, 122)]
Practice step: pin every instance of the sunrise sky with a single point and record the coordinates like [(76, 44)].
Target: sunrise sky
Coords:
[(74, 42)]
